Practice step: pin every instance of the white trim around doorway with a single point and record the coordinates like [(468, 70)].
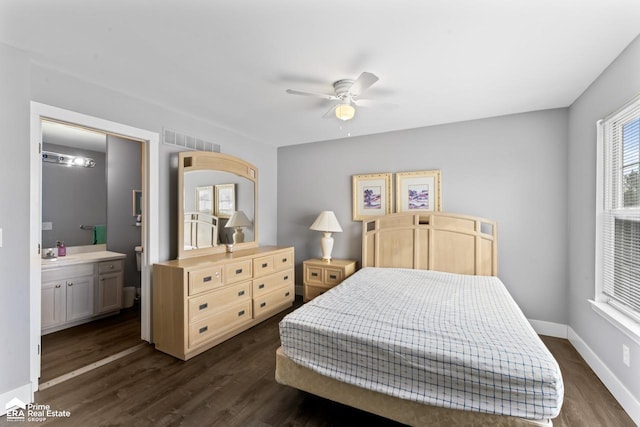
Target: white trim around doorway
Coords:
[(150, 230)]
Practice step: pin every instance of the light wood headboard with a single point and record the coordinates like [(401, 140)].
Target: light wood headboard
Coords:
[(438, 241)]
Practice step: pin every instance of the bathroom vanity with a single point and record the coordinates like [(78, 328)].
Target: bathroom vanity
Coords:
[(80, 287)]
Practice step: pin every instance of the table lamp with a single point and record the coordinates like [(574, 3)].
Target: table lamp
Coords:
[(327, 223), (237, 221)]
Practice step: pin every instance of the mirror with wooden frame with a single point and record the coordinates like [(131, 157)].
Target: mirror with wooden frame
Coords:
[(214, 190)]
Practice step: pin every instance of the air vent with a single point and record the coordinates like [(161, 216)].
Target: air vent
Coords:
[(188, 142)]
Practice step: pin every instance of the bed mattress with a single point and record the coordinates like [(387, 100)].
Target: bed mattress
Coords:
[(443, 339)]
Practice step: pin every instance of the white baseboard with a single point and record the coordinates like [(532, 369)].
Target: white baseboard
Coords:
[(549, 328), (24, 393), (626, 399)]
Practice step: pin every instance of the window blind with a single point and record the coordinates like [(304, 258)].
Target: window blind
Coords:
[(621, 210)]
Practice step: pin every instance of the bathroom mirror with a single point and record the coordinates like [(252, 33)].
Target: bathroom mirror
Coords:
[(211, 188)]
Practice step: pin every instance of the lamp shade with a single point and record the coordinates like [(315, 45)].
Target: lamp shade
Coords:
[(326, 222), (238, 219)]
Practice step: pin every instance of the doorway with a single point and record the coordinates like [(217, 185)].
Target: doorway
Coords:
[(149, 208)]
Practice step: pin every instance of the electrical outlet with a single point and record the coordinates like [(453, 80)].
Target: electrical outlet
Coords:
[(626, 355), (47, 226)]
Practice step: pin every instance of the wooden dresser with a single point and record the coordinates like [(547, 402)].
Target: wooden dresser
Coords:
[(203, 301)]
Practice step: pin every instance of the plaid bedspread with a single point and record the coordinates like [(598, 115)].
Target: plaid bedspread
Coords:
[(444, 339)]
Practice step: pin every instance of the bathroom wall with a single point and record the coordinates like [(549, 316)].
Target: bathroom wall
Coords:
[(73, 196), (124, 175)]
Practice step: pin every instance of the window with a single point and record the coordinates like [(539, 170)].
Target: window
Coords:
[(618, 257)]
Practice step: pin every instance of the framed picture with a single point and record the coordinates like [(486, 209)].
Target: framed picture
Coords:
[(371, 195), (137, 202), (225, 204), (204, 199), (418, 191)]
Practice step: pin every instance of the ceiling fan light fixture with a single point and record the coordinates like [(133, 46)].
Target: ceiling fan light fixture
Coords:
[(345, 111)]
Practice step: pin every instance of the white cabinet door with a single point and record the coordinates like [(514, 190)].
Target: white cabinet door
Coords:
[(53, 303), (109, 292), (80, 303)]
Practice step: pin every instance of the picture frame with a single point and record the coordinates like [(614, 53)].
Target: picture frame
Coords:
[(371, 195), (136, 202), (225, 204), (418, 191), (204, 199)]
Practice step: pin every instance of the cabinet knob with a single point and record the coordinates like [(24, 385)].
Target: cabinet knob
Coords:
[(263, 304), (287, 294), (285, 277), (203, 306), (265, 265), (57, 286), (240, 293), (261, 286), (239, 271), (69, 284), (241, 313), (203, 329)]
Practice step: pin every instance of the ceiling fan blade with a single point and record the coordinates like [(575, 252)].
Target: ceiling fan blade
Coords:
[(363, 83), (331, 113), (317, 95)]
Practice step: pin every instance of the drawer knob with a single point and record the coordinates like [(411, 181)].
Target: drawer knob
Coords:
[(261, 286), (69, 284), (262, 304), (206, 279), (284, 260), (240, 293), (203, 306), (333, 276), (314, 274), (265, 265), (286, 277), (241, 313), (239, 271), (203, 329), (57, 286), (287, 294)]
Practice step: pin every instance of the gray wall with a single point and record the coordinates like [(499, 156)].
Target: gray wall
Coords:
[(72, 197), (618, 84), (14, 219), (23, 80), (124, 165), (510, 169)]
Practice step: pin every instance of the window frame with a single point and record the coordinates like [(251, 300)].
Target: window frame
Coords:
[(627, 322)]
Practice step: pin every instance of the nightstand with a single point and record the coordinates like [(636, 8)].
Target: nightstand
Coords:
[(319, 276)]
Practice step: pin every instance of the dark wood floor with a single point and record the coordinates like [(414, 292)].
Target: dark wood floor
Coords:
[(73, 348), (232, 385)]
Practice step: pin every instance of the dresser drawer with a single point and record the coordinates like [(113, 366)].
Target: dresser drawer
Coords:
[(270, 283), (333, 276), (218, 324), (268, 303), (313, 275), (283, 260), (110, 266), (219, 300), (204, 280), (263, 266), (238, 271)]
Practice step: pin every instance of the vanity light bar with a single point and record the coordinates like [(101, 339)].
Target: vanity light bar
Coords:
[(67, 160)]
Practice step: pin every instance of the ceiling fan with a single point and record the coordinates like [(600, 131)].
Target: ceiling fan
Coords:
[(346, 95)]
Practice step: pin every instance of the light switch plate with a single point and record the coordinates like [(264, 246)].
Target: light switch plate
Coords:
[(0, 237)]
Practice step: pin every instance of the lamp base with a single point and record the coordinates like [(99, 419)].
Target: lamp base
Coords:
[(326, 243), (238, 236)]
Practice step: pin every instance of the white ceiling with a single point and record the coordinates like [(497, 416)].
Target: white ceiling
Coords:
[(230, 61)]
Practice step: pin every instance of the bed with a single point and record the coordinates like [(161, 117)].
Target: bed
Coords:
[(425, 333)]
